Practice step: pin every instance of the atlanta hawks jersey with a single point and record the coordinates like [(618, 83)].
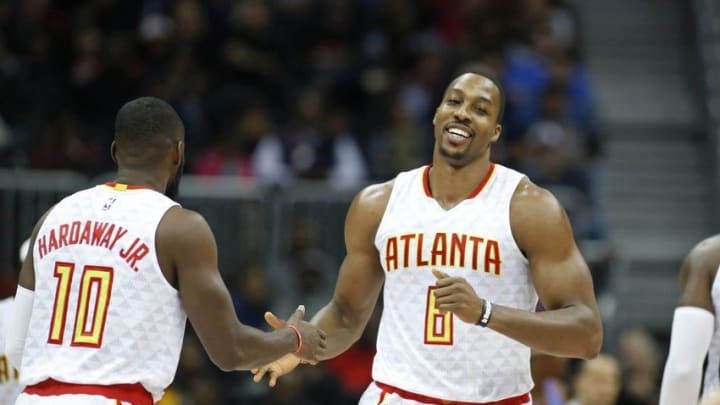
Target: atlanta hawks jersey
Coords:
[(103, 311), (421, 350), (9, 385), (712, 367)]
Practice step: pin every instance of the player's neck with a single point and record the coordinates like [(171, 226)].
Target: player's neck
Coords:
[(142, 178), (451, 185)]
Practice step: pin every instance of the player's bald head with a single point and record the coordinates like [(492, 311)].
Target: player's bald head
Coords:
[(146, 126), (147, 120), (490, 80)]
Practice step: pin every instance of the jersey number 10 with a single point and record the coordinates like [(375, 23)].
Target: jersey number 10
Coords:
[(95, 289)]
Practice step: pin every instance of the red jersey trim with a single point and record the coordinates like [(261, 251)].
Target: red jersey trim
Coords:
[(518, 400), (478, 189), (135, 394), (426, 180), (484, 182), (124, 187)]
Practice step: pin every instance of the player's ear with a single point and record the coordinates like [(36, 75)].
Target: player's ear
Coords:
[(179, 152), (113, 151), (496, 133)]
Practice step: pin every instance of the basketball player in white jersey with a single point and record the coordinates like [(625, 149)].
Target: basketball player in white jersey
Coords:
[(464, 248), (10, 386), (114, 270), (695, 334)]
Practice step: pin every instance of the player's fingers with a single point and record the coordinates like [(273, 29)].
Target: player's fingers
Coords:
[(448, 299), (439, 274), (260, 374), (443, 291), (297, 315), (447, 306), (273, 379), (274, 321)]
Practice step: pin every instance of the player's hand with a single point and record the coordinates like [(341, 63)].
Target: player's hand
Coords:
[(281, 366), (313, 345), (454, 294), (276, 369)]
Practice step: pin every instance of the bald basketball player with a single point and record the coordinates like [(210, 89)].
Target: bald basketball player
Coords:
[(114, 270), (464, 248), (695, 332)]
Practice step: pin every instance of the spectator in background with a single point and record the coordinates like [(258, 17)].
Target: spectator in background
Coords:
[(402, 145), (308, 271), (548, 373), (60, 146), (248, 149), (250, 294), (320, 145), (597, 382), (640, 362)]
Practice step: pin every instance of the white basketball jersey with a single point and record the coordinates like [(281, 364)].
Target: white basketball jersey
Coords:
[(10, 387), (420, 350), (712, 367), (103, 311)]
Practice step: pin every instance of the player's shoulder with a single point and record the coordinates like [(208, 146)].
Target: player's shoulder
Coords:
[(179, 222), (374, 198), (530, 199), (704, 257)]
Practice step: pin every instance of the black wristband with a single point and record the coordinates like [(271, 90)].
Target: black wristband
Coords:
[(487, 313)]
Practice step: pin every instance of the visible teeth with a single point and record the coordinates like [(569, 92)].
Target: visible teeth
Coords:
[(459, 132)]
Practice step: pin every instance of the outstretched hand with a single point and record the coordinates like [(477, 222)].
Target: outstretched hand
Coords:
[(311, 345), (288, 362), (456, 295)]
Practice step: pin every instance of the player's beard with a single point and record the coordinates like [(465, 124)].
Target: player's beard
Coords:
[(457, 156), (173, 188)]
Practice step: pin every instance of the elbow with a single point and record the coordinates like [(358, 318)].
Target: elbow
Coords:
[(593, 341), (226, 362), (230, 357)]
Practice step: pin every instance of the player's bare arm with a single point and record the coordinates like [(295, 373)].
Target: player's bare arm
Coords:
[(697, 273), (570, 325), (693, 324), (358, 286), (186, 244), (361, 277)]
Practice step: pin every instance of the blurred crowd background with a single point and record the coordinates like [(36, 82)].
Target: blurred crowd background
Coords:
[(334, 92)]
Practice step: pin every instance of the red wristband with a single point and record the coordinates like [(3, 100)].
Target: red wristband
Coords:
[(298, 335)]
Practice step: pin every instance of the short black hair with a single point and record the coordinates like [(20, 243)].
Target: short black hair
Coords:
[(147, 121), (480, 70)]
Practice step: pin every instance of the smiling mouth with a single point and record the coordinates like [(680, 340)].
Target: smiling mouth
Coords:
[(458, 132)]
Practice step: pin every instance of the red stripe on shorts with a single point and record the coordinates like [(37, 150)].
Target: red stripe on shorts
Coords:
[(135, 394), (518, 400)]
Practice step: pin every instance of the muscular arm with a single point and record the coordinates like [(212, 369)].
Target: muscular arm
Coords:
[(186, 243), (361, 278), (570, 325), (693, 324)]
